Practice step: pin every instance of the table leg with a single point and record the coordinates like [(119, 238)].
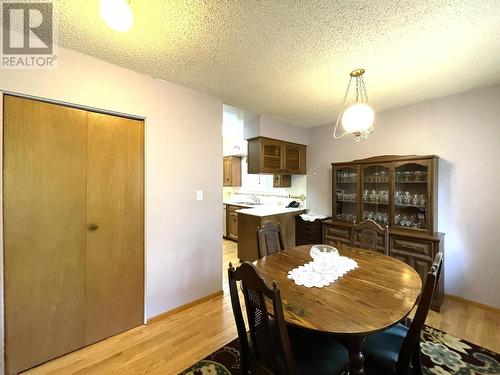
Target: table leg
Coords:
[(356, 357)]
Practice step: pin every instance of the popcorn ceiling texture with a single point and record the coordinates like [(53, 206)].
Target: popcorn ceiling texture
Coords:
[(292, 59)]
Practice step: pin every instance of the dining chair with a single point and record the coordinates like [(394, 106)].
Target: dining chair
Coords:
[(269, 239), (368, 231), (392, 350), (270, 346)]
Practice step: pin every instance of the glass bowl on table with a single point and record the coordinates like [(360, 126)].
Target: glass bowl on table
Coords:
[(320, 252), (324, 257)]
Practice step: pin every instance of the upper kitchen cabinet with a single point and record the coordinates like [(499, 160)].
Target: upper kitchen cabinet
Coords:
[(265, 156), (232, 171), (282, 181), (295, 158), (272, 156)]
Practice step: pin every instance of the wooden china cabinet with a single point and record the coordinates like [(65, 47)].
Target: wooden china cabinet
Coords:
[(397, 191)]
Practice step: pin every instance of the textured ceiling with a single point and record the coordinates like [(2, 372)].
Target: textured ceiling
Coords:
[(292, 59)]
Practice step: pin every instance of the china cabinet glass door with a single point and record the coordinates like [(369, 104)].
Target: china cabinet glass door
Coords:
[(411, 195), (346, 187), (376, 197)]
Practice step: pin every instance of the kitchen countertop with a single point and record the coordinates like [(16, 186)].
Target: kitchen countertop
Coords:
[(240, 204), (268, 210)]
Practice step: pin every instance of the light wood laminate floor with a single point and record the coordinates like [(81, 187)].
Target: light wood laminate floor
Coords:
[(170, 345)]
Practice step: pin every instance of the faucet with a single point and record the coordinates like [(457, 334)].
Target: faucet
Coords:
[(254, 198)]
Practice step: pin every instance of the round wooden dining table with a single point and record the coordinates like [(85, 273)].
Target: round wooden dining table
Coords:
[(376, 295)]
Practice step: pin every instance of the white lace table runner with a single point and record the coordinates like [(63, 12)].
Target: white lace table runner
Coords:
[(309, 217), (321, 274)]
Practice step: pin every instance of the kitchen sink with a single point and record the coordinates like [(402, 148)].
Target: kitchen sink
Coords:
[(249, 203)]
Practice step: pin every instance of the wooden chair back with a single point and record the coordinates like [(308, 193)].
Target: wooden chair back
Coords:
[(410, 349), (369, 231), (268, 337), (269, 239)]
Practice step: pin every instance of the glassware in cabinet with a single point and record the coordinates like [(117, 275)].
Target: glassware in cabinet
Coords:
[(346, 193), (376, 193), (411, 195)]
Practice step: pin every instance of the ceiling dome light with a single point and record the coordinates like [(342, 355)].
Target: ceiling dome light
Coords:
[(356, 119), (117, 14)]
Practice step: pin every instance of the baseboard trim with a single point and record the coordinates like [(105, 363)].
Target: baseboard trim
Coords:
[(168, 313), (474, 303)]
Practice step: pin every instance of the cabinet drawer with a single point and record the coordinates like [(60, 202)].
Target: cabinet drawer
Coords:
[(336, 235), (413, 246), (309, 230), (334, 241), (338, 232)]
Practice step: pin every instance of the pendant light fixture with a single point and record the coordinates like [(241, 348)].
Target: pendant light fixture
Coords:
[(117, 14), (357, 118)]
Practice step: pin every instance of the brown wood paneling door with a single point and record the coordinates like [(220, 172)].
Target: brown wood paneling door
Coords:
[(44, 238), (232, 171), (228, 180), (233, 226), (114, 251)]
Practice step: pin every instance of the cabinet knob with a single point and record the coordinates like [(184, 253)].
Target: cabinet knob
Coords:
[(92, 227)]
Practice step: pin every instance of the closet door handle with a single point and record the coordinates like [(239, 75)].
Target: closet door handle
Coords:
[(92, 227)]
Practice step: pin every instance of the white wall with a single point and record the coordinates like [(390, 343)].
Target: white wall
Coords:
[(464, 131), (183, 154), (251, 127), (268, 126), (282, 130)]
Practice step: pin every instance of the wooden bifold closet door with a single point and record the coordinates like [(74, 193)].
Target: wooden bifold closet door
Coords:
[(73, 229), (115, 285)]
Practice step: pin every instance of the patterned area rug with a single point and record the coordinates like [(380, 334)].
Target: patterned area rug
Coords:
[(442, 354)]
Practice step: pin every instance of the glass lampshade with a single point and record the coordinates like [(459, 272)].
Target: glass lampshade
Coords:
[(358, 118), (117, 14)]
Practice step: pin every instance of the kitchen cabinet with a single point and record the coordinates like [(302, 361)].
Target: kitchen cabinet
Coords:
[(272, 156), (232, 171), (224, 221), (247, 229), (233, 226), (282, 181), (232, 221), (295, 158)]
